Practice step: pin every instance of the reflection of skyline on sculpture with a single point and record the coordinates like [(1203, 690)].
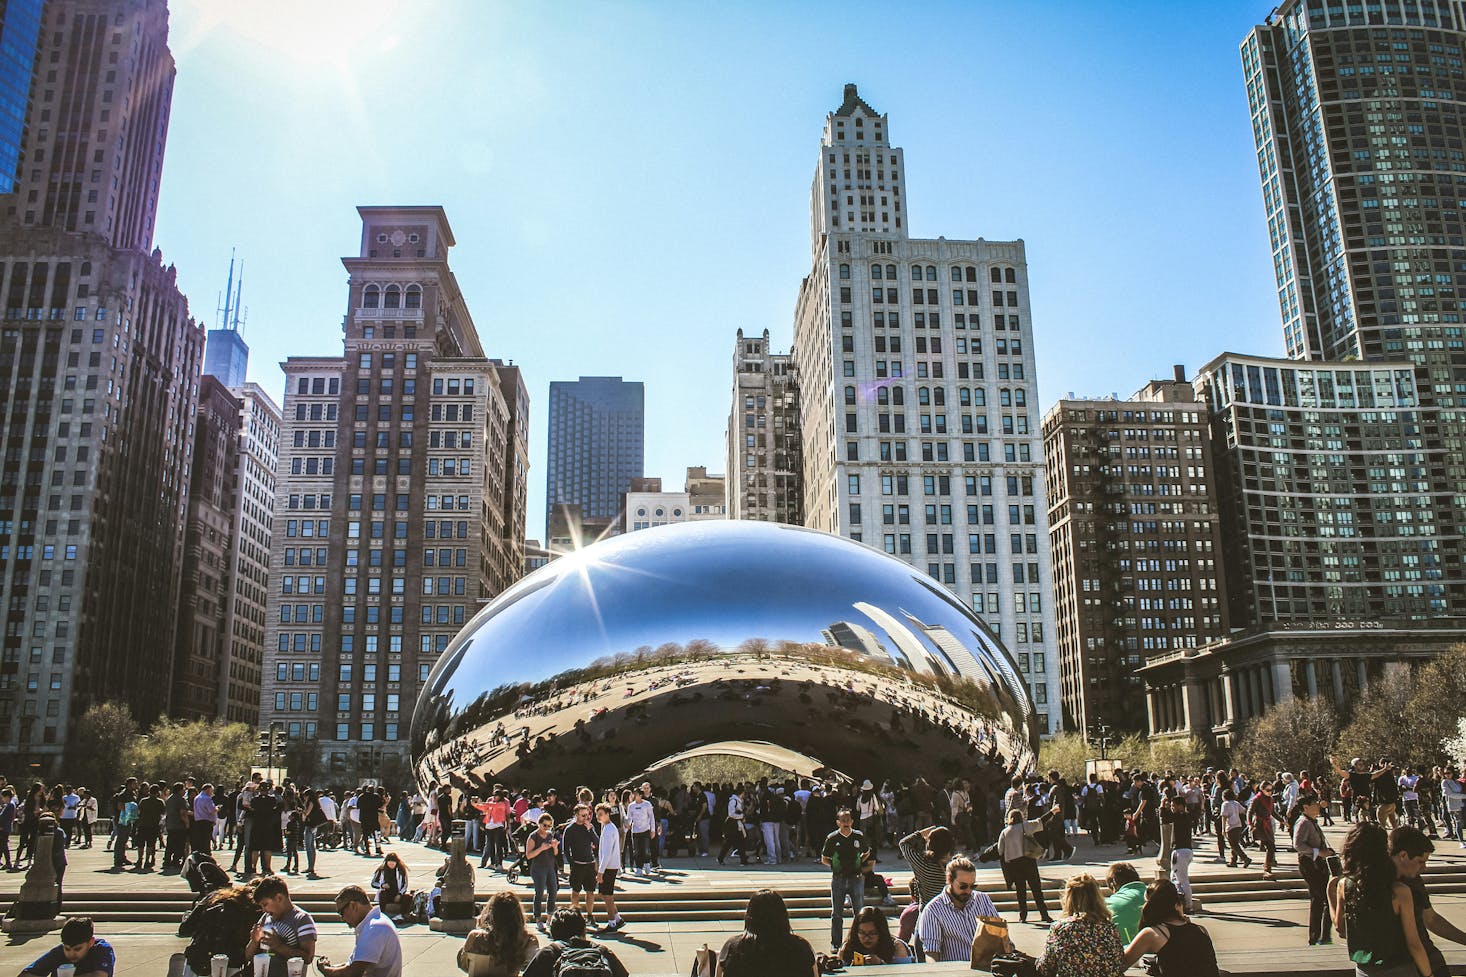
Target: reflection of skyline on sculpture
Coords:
[(615, 657)]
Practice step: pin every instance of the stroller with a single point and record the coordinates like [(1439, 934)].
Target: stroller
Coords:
[(203, 874), (521, 864)]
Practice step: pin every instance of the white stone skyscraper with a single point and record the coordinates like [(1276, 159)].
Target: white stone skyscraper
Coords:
[(918, 394)]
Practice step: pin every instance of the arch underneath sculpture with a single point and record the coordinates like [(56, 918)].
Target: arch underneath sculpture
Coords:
[(781, 758)]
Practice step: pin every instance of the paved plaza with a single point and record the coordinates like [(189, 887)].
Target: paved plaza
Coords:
[(1257, 936)]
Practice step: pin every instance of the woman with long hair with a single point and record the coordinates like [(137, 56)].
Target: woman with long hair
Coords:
[(390, 881), (1373, 911), (220, 922), (766, 947), (1181, 946), (499, 944), (1084, 942), (870, 943)]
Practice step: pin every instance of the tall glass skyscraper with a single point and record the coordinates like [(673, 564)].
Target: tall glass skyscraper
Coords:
[(597, 442), (20, 33), (1359, 117)]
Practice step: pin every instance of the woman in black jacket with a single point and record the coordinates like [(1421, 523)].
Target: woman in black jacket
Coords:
[(220, 923)]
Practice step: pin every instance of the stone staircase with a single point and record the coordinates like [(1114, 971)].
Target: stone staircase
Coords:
[(665, 903)]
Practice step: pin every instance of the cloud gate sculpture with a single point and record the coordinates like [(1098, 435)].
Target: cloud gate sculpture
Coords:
[(615, 659)]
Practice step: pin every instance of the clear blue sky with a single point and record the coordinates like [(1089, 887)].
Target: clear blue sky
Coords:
[(629, 183)]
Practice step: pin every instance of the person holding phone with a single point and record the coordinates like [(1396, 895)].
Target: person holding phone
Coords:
[(378, 950), (540, 851)]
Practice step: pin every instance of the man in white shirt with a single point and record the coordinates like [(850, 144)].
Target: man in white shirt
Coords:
[(949, 922), (350, 822), (378, 951), (608, 863)]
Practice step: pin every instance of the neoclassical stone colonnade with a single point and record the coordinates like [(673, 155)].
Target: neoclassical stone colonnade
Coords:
[(1213, 691)]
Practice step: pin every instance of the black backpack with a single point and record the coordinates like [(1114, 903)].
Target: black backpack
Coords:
[(581, 961)]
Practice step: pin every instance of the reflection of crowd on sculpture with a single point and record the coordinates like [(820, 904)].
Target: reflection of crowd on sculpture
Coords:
[(583, 711)]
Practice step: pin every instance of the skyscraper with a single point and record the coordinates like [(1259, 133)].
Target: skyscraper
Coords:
[(20, 35), (596, 444), (399, 505), (1136, 543), (226, 354), (1361, 147), (918, 394), (99, 367), (765, 478)]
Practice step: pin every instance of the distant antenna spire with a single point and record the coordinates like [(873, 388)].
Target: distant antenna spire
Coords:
[(238, 296), (228, 294)]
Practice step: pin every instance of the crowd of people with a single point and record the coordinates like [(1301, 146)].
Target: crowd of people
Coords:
[(583, 842)]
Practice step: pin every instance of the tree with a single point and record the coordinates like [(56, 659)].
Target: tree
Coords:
[(1294, 735), (207, 751), (1382, 725), (1183, 755), (99, 747), (1066, 753)]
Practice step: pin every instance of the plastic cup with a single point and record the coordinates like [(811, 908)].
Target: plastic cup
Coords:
[(295, 967), (66, 970), (219, 965), (262, 965)]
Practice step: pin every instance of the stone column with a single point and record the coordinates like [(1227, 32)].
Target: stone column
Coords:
[(1282, 682), (1152, 711), (1338, 675), (1311, 674)]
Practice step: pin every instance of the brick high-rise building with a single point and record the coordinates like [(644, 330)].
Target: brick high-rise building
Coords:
[(765, 479), (399, 506), (918, 394), (99, 381), (1136, 542)]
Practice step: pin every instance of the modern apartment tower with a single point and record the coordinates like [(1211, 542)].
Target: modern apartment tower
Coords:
[(399, 506), (765, 478), (99, 385), (596, 445), (918, 395), (20, 38), (1361, 146), (1136, 541)]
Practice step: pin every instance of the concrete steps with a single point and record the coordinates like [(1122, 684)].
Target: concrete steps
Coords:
[(665, 903)]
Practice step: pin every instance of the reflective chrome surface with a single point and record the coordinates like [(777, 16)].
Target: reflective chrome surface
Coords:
[(613, 658)]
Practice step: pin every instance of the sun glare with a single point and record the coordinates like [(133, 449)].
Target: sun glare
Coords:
[(315, 36)]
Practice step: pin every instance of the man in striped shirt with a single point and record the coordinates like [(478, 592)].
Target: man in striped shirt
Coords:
[(949, 922)]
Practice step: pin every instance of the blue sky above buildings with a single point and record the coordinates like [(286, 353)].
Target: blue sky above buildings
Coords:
[(629, 183)]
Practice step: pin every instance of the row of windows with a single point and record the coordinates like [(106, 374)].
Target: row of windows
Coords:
[(392, 297), (959, 273)]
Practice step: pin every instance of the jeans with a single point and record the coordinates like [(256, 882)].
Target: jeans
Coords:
[(494, 845), (641, 846), (310, 849), (175, 848), (472, 834), (771, 841), (1234, 838), (1181, 873), (704, 831), (841, 887), (546, 886), (119, 850)]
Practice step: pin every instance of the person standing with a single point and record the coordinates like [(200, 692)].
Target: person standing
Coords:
[(150, 812), (1061, 796), (1410, 850), (369, 810), (1260, 816), (949, 922), (1231, 814), (70, 802), (1020, 868), (845, 851), (495, 812), (264, 834), (1313, 854), (540, 850), (1182, 833), (86, 816), (580, 846), (641, 817), (1373, 910), (124, 803), (205, 820), (608, 863), (733, 829), (377, 945), (8, 808)]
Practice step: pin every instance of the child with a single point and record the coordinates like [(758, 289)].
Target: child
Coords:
[(80, 948)]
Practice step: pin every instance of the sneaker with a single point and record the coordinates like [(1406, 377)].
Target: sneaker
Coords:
[(614, 925), (888, 901), (540, 925), (1326, 941)]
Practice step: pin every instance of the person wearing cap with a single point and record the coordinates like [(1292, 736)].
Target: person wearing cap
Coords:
[(1361, 783)]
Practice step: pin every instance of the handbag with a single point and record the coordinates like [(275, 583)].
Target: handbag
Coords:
[(1014, 964), (1032, 847), (990, 940), (704, 962)]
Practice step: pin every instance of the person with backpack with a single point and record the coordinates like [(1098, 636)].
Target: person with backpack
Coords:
[(221, 922), (570, 954), (1091, 808)]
